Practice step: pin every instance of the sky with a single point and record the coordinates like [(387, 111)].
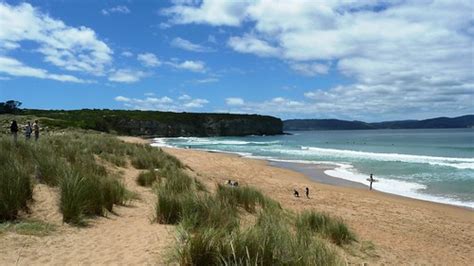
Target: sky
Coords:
[(357, 60)]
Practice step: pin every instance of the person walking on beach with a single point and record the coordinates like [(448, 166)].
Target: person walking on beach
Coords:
[(307, 192), (28, 131), (36, 130), (14, 130)]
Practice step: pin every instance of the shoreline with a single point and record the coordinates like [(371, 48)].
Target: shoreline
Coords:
[(316, 172), (402, 229)]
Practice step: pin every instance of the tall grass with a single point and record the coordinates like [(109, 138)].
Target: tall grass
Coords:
[(311, 222), (147, 178), (269, 242), (245, 197), (15, 186)]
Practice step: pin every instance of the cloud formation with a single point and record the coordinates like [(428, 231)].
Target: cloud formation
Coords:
[(399, 55), (189, 46), (126, 76), (116, 9), (148, 59), (69, 48), (165, 103)]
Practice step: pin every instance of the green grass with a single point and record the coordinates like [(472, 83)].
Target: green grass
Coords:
[(246, 197), (311, 222), (16, 188), (147, 178), (28, 227)]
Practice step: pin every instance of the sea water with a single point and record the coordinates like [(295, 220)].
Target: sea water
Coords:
[(429, 164)]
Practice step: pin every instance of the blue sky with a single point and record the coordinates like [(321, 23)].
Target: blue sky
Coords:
[(365, 60)]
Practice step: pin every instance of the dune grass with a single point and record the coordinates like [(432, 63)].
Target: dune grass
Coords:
[(70, 161), (16, 187), (246, 197), (28, 227), (210, 231), (147, 178), (311, 222)]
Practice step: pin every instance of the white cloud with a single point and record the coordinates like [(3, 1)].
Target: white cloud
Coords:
[(189, 46), (148, 59), (196, 103), (394, 52), (184, 97), (70, 48), (252, 45), (207, 80), (14, 67), (183, 103), (233, 101), (214, 12), (127, 54), (126, 76), (194, 66), (116, 9), (310, 69)]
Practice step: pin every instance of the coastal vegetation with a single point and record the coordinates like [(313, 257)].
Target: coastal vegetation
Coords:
[(226, 225), (165, 124)]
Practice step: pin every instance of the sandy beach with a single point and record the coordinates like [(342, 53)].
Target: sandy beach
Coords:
[(402, 230)]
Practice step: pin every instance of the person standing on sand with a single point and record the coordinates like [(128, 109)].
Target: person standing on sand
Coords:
[(36, 130), (14, 130), (307, 192), (371, 180), (28, 131)]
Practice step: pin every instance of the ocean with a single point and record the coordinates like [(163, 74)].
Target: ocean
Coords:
[(429, 164)]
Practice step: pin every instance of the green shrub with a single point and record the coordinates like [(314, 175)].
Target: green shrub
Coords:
[(147, 178), (339, 233), (74, 201)]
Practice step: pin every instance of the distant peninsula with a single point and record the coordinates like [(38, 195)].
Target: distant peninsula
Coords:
[(157, 124), (466, 121)]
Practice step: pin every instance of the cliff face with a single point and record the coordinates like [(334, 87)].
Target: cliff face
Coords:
[(202, 127)]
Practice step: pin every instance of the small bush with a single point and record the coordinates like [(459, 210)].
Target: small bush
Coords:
[(147, 178), (339, 233)]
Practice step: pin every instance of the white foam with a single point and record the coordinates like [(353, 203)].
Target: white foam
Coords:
[(347, 171), (402, 188), (459, 163)]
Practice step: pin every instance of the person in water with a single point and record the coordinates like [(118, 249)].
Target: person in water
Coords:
[(14, 130)]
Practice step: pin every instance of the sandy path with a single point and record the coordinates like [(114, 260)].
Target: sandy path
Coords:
[(126, 237), (404, 231)]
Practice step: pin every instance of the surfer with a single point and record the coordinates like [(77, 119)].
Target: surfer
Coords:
[(371, 180)]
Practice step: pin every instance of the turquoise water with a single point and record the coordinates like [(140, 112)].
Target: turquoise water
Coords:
[(429, 164)]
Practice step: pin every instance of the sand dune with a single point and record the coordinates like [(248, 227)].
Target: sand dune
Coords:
[(127, 237)]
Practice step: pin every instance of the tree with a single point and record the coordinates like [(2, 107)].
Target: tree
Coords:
[(10, 107)]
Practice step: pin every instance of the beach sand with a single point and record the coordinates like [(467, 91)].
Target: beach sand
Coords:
[(402, 230)]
